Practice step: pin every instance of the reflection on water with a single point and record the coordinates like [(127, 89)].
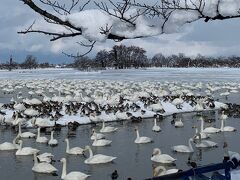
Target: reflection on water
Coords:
[(133, 160)]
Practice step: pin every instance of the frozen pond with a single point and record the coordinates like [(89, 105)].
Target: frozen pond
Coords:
[(133, 160), (153, 74)]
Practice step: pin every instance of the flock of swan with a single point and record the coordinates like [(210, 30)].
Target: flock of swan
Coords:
[(50, 104)]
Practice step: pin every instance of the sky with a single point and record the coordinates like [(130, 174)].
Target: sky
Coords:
[(216, 38)]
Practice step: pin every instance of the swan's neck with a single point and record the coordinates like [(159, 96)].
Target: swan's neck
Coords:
[(38, 135), (64, 170), (67, 147), (20, 146), (52, 135), (155, 122), (103, 125), (90, 152), (137, 133), (216, 115), (19, 129), (190, 145), (222, 123), (35, 159), (14, 140)]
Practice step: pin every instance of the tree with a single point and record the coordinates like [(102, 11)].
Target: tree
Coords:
[(126, 19), (102, 59), (30, 62)]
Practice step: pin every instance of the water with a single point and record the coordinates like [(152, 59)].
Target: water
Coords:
[(133, 160), (153, 74)]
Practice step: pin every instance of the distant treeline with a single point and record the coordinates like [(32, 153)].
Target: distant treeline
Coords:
[(122, 57), (29, 63)]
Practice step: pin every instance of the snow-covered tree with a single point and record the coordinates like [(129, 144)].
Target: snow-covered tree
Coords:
[(126, 19)]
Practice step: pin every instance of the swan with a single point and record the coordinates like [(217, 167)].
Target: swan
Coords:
[(7, 146), (74, 175), (161, 170), (155, 127), (45, 157), (43, 167), (183, 148), (178, 123), (98, 135), (98, 158), (101, 142), (204, 143), (226, 128), (25, 134), (41, 139), (143, 139), (52, 141), (209, 130), (203, 135), (107, 129), (75, 150), (157, 156), (26, 150)]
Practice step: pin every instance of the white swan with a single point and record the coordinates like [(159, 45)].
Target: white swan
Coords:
[(52, 141), (101, 142), (157, 156), (179, 123), (26, 150), (41, 139), (143, 139), (98, 158), (45, 157), (74, 150), (204, 143), (74, 175), (98, 135), (183, 148), (43, 167), (7, 146), (107, 129), (25, 134), (203, 134), (161, 170), (155, 127), (226, 128), (209, 130)]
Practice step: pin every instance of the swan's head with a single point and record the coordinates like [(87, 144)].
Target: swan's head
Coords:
[(156, 151), (63, 160), (159, 170), (87, 147), (136, 128), (66, 140)]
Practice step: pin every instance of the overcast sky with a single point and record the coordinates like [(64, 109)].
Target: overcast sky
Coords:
[(219, 38)]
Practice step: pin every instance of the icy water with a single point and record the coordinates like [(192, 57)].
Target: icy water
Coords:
[(156, 74), (133, 160)]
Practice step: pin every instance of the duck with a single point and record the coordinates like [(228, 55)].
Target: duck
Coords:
[(178, 123), (98, 135), (74, 175), (107, 129), (161, 170), (226, 128), (41, 139), (74, 150), (155, 127), (184, 148), (42, 167), (45, 157), (7, 146), (101, 142), (25, 134), (157, 156), (52, 141), (26, 150), (205, 143), (143, 139), (98, 158)]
